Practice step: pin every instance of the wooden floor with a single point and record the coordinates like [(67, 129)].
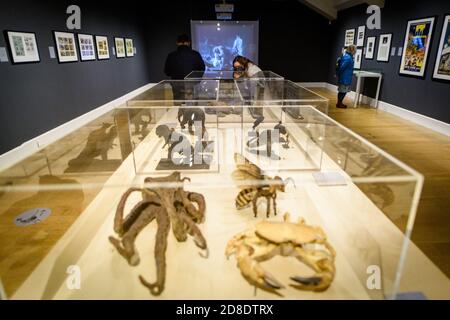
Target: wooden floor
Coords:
[(422, 149)]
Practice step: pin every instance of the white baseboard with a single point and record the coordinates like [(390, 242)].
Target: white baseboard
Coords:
[(34, 145), (417, 118)]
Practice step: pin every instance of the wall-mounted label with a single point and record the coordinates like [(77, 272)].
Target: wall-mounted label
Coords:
[(135, 51), (224, 7), (400, 51), (224, 16), (51, 51), (113, 51), (31, 217), (3, 55), (393, 51)]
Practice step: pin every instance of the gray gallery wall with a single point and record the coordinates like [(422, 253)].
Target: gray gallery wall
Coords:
[(427, 97), (35, 98), (294, 41)]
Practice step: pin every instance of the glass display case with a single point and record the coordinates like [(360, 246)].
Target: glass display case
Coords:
[(229, 75), (351, 208), (280, 92)]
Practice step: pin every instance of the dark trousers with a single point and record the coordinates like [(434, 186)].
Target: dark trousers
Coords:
[(341, 96)]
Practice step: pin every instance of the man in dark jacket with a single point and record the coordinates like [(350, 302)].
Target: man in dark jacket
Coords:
[(345, 75), (183, 61)]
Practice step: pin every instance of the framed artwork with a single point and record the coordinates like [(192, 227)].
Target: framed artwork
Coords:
[(384, 47), (370, 48), (87, 47), (102, 47), (361, 36), (66, 47), (22, 47), (416, 47), (442, 67), (349, 37), (120, 47), (358, 58), (129, 47)]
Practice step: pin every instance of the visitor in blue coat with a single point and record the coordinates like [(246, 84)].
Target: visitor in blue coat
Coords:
[(344, 72)]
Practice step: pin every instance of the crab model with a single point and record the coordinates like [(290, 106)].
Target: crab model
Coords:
[(299, 240), (168, 205)]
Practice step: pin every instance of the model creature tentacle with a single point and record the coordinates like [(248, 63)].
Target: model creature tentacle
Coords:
[(118, 220), (170, 205)]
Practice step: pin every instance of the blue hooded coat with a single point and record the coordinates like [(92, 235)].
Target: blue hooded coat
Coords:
[(345, 70)]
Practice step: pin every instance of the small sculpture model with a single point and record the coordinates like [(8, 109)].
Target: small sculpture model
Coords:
[(99, 142), (255, 185), (168, 205), (189, 116), (175, 140), (269, 239), (279, 133), (137, 117)]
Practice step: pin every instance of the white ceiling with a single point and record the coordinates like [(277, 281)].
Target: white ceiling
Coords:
[(330, 8)]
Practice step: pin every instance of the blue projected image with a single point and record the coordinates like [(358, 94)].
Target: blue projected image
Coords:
[(219, 42)]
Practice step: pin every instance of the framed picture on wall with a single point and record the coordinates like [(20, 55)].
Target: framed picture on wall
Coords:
[(129, 47), (66, 47), (358, 59), (87, 47), (361, 36), (22, 47), (384, 47), (370, 48), (416, 47), (102, 47), (442, 67), (120, 47), (349, 37)]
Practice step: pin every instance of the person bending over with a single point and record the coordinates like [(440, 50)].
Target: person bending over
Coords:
[(244, 67)]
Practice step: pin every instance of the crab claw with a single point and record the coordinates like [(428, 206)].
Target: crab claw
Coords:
[(307, 280), (311, 283), (256, 275)]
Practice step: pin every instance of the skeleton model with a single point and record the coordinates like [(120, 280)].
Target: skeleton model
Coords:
[(255, 185), (189, 116), (168, 206), (269, 239), (266, 138), (138, 119), (174, 140), (99, 142)]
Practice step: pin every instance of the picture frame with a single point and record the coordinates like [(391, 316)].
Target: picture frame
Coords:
[(129, 47), (120, 47), (370, 48), (416, 47), (87, 47), (384, 47), (361, 36), (101, 42), (66, 47), (349, 37), (358, 59), (442, 64), (22, 47)]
